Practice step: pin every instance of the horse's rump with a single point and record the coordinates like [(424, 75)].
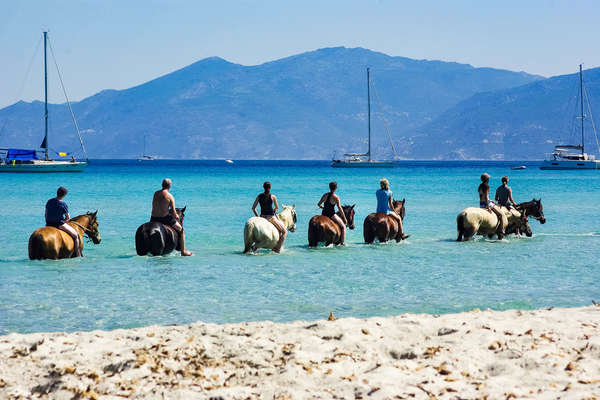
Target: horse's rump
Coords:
[(380, 226), (258, 231), (48, 241), (156, 238), (322, 229)]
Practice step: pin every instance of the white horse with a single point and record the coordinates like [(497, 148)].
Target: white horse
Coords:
[(480, 221), (260, 233)]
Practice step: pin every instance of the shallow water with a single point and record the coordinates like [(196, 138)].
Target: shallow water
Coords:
[(114, 288)]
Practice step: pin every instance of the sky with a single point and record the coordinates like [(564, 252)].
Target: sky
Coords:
[(116, 44)]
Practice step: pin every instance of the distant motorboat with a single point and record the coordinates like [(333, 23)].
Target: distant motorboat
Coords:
[(229, 161), (573, 156), (519, 167)]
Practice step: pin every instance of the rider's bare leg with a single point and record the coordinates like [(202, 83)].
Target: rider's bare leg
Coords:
[(400, 225), (181, 231), (336, 218), (75, 236), (499, 214), (282, 233)]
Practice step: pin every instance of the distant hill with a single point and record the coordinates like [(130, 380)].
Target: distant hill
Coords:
[(518, 123), (300, 107)]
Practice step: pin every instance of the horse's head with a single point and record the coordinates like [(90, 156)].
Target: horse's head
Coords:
[(291, 219), (524, 225), (349, 213), (399, 207), (91, 230), (533, 209), (180, 214)]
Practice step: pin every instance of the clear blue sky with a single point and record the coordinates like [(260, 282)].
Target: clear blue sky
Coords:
[(117, 44)]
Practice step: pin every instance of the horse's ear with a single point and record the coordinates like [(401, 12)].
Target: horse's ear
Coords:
[(94, 213), (183, 209), (353, 205), (294, 206), (403, 201)]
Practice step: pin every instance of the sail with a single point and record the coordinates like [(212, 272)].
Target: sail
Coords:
[(44, 144), (21, 154)]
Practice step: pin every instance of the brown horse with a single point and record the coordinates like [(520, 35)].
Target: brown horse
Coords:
[(50, 242), (324, 229), (382, 226)]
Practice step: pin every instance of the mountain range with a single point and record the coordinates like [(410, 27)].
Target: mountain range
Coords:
[(311, 105)]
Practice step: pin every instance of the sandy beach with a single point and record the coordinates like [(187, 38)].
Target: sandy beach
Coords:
[(549, 353)]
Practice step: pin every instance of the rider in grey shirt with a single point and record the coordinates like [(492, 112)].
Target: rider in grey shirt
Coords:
[(504, 194)]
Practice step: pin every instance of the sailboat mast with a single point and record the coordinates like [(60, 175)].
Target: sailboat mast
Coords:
[(45, 98), (369, 108), (582, 116)]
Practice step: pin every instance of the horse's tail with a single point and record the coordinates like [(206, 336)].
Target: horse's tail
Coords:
[(248, 240), (460, 226), (35, 246), (157, 243), (315, 232), (141, 246), (369, 230)]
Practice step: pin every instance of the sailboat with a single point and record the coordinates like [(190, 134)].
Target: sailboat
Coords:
[(573, 156), (145, 157), (364, 160), (25, 160)]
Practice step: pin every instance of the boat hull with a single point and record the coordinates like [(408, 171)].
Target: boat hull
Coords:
[(362, 164), (570, 164), (44, 166)]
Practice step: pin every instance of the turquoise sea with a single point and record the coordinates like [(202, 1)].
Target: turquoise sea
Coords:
[(114, 288)]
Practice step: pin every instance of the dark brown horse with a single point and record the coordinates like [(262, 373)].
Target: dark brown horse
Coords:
[(382, 226), (158, 239), (324, 229), (50, 242), (533, 209)]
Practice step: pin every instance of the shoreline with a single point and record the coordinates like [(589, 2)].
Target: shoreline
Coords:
[(477, 354)]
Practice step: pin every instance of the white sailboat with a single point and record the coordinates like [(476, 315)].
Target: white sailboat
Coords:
[(25, 160), (363, 160), (573, 156), (145, 157)]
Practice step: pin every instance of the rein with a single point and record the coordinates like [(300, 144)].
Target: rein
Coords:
[(85, 230)]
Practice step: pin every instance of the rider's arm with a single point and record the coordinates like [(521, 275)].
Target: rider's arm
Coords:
[(337, 199), (275, 202), (497, 196), (511, 198), (172, 206), (390, 203), (254, 206), (487, 199), (319, 204)]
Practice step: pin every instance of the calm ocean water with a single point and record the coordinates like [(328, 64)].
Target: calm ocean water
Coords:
[(114, 288)]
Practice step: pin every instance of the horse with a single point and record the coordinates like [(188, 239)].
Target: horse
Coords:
[(260, 233), (324, 229), (157, 238), (474, 220), (533, 209), (49, 242), (382, 226)]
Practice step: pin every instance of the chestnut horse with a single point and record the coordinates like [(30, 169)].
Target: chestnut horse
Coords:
[(382, 226), (324, 229), (157, 238), (50, 242)]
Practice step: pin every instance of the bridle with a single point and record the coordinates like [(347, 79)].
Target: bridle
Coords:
[(86, 231)]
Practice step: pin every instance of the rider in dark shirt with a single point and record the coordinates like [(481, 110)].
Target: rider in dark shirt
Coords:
[(267, 211), (328, 202), (504, 194), (57, 215)]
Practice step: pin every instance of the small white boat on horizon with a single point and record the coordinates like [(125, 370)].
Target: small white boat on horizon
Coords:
[(229, 161), (518, 167)]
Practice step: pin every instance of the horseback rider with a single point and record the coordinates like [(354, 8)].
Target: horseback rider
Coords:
[(57, 215), (267, 211), (328, 202), (163, 211), (486, 203), (503, 195), (385, 205)]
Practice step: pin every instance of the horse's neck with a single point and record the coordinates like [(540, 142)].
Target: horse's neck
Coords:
[(285, 216), (80, 223)]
